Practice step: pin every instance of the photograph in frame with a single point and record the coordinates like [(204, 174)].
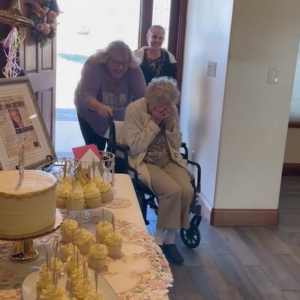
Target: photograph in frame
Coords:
[(22, 123)]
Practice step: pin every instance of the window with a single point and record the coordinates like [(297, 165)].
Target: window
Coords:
[(161, 16)]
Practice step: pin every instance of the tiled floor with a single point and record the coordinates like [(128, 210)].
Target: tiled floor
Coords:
[(244, 263)]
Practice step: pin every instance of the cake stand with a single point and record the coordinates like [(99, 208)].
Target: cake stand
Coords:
[(56, 168), (23, 250), (83, 214)]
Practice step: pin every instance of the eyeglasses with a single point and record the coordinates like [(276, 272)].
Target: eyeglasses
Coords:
[(117, 64)]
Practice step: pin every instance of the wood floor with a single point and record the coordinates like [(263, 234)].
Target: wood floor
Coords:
[(244, 263)]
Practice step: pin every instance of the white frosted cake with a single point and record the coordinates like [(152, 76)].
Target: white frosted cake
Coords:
[(30, 208)]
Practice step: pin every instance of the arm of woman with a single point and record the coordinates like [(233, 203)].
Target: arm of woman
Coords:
[(90, 85), (135, 135), (137, 83), (172, 70), (174, 136)]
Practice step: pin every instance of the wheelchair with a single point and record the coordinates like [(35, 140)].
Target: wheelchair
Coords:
[(191, 237)]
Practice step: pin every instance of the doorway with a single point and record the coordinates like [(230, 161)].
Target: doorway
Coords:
[(79, 36)]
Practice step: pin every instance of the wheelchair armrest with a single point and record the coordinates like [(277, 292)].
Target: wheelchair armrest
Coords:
[(119, 147), (185, 155), (135, 176), (114, 147), (125, 149), (198, 179)]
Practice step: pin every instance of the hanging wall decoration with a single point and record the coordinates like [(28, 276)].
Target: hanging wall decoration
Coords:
[(13, 17), (44, 14)]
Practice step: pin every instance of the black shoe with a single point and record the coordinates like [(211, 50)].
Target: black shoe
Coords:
[(172, 254)]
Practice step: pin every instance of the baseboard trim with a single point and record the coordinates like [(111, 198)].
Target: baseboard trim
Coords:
[(206, 207), (291, 169), (238, 217), (244, 217)]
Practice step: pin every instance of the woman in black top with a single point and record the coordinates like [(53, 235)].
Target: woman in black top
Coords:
[(156, 61)]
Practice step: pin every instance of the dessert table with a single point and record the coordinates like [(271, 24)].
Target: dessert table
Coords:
[(142, 273)]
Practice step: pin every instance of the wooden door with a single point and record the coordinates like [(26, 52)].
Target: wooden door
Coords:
[(40, 66)]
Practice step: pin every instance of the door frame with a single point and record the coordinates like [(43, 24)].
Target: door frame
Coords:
[(177, 28)]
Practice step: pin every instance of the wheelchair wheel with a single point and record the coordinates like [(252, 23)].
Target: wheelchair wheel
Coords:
[(191, 237)]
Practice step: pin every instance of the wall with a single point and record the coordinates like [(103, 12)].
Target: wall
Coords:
[(239, 136), (207, 39)]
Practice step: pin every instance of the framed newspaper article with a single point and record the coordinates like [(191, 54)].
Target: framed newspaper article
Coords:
[(21, 123)]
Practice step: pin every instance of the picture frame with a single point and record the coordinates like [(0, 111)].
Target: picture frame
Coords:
[(21, 123)]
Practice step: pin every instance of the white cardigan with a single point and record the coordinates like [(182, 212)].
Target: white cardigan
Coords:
[(141, 52), (139, 131)]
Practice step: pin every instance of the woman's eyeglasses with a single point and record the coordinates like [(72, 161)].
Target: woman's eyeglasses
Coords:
[(117, 64)]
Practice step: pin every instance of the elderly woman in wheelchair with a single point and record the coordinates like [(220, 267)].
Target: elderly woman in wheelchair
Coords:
[(151, 131)]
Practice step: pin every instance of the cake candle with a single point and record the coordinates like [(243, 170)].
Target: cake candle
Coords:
[(21, 165)]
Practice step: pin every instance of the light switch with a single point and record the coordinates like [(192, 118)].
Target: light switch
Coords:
[(211, 69), (273, 75)]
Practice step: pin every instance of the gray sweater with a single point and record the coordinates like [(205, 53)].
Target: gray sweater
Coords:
[(95, 83)]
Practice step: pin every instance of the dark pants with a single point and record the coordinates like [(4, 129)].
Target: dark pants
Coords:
[(90, 136)]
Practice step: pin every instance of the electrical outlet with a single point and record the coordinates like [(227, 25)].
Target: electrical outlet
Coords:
[(273, 76), (211, 69)]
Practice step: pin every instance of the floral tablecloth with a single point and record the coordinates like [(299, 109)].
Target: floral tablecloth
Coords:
[(142, 273)]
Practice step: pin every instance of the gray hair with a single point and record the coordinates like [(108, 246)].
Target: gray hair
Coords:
[(155, 27), (114, 48), (162, 91)]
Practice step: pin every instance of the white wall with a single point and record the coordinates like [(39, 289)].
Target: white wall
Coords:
[(207, 39), (242, 162)]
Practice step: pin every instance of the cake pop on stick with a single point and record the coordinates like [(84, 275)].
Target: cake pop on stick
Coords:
[(102, 210), (113, 222), (73, 243), (55, 246), (71, 287), (64, 163), (96, 277), (84, 268), (77, 258), (94, 167), (70, 167), (89, 171), (100, 168), (47, 259)]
